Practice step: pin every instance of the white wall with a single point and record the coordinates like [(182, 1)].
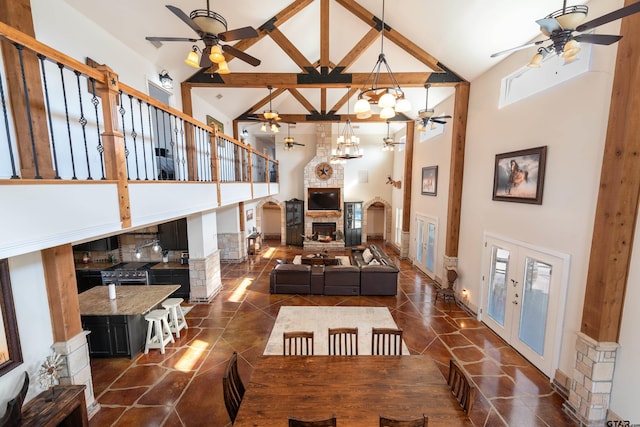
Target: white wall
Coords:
[(34, 324), (571, 120), (377, 164)]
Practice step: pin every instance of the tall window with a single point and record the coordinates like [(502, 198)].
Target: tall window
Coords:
[(398, 233)]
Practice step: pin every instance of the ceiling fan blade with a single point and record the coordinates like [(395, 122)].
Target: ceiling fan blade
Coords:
[(605, 39), (549, 25), (524, 46), (185, 18), (205, 61), (442, 117), (611, 16), (241, 55), (297, 143), (442, 122), (238, 34), (171, 39)]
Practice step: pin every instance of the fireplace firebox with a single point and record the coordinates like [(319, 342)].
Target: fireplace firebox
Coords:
[(324, 229)]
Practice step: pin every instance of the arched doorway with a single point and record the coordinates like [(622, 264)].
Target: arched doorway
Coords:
[(270, 219), (376, 220)]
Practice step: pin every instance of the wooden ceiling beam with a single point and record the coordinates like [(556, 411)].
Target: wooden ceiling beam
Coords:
[(304, 118), (302, 100), (360, 47), (290, 49), (290, 80), (280, 18), (411, 48), (324, 33), (344, 99), (274, 94)]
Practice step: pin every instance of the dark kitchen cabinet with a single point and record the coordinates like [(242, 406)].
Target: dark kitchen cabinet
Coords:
[(106, 244), (294, 211), (115, 336), (173, 235), (87, 279), (173, 277)]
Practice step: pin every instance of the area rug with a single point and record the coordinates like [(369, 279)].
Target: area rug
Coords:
[(320, 319)]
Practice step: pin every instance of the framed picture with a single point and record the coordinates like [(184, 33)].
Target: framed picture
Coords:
[(519, 176), (249, 214), (213, 123), (430, 180)]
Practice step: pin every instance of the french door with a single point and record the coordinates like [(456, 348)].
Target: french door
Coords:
[(524, 296), (426, 241)]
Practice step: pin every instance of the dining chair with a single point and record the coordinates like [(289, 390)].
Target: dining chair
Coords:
[(329, 422), (461, 386), (447, 293), (298, 343), (343, 341), (232, 387), (386, 341), (422, 421)]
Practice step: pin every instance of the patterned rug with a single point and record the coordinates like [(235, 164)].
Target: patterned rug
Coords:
[(344, 260), (320, 319)]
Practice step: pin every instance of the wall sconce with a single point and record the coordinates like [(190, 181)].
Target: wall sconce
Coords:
[(396, 184), (165, 80), (155, 243)]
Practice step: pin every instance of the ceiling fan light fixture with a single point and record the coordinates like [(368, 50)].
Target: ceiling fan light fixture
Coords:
[(216, 55), (536, 61), (274, 128), (209, 21), (426, 113), (263, 128), (223, 68), (270, 115), (193, 59), (570, 17), (420, 127), (571, 48)]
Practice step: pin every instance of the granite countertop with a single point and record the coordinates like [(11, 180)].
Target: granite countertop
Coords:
[(170, 266), (94, 266), (130, 300)]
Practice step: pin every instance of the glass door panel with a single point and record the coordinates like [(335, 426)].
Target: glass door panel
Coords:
[(431, 246), (497, 298), (535, 301), (426, 244), (419, 241)]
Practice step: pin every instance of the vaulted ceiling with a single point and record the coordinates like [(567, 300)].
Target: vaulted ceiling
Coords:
[(311, 50)]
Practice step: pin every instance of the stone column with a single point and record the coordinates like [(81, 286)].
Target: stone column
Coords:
[(592, 381), (76, 368), (205, 278)]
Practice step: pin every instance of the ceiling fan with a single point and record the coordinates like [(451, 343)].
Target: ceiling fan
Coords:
[(425, 116), (289, 142), (389, 143), (271, 117), (211, 29), (560, 28)]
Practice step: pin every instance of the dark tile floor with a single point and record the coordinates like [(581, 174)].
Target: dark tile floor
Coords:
[(183, 387)]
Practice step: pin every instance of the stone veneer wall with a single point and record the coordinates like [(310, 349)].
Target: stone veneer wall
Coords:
[(592, 382), (232, 247), (205, 278), (311, 180)]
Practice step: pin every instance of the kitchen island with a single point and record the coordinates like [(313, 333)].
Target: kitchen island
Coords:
[(117, 326)]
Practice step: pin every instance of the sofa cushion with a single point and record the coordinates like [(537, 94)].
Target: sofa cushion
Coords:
[(341, 280)]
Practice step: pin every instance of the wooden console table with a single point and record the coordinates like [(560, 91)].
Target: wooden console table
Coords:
[(68, 408)]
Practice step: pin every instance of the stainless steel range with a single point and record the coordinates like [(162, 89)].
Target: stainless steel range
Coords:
[(130, 273)]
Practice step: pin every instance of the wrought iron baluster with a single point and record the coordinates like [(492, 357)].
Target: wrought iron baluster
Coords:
[(95, 100), (83, 124), (122, 112), (154, 154), (28, 106), (158, 149), (172, 144), (144, 145), (185, 159), (134, 138), (45, 85), (66, 114), (207, 154), (6, 124)]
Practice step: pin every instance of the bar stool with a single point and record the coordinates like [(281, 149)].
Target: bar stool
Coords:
[(176, 316), (158, 332)]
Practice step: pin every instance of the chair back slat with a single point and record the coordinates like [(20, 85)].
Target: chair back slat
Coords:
[(328, 422), (422, 421), (343, 341), (298, 343), (233, 388), (461, 386), (386, 341)]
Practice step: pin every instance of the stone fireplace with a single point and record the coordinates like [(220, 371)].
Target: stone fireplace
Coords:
[(324, 229), (319, 173)]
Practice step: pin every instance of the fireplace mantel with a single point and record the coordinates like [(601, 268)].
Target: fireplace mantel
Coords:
[(319, 214)]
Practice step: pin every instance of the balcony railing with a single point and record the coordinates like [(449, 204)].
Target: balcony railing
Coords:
[(71, 121)]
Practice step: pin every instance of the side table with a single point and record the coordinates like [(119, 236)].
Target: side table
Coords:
[(317, 279), (68, 408)]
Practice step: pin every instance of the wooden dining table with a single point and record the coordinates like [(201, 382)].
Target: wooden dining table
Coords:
[(357, 389)]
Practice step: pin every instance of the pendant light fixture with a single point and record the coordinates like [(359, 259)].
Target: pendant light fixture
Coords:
[(390, 99), (270, 115), (348, 144)]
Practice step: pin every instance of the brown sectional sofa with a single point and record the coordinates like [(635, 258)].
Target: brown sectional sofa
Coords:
[(361, 278)]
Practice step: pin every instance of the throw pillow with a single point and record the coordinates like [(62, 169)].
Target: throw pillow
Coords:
[(374, 262), (367, 256)]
